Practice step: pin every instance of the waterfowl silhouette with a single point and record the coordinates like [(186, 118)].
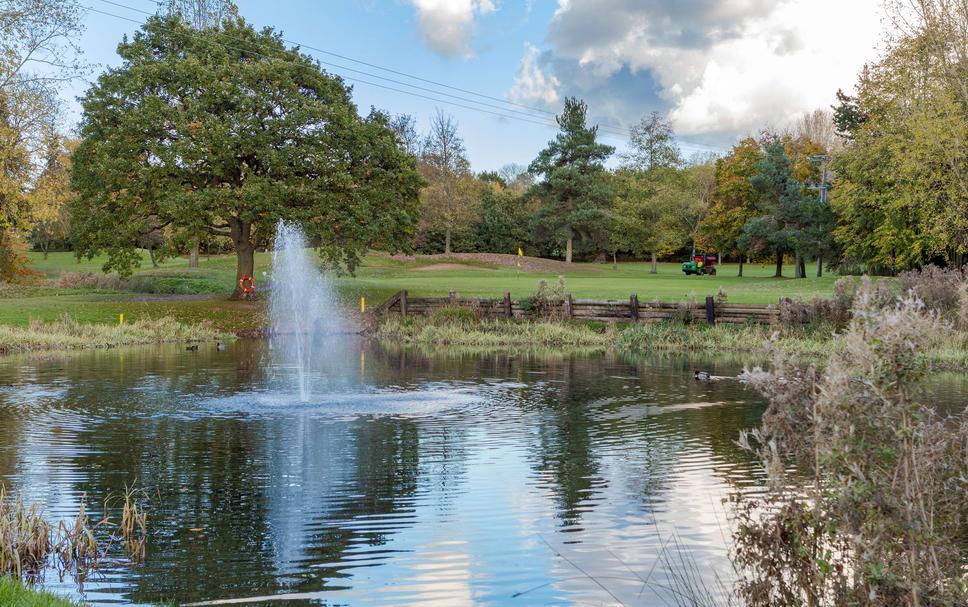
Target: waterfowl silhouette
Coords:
[(192, 348), (703, 376)]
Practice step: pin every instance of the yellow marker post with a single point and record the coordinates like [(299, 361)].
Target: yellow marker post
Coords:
[(121, 318), (362, 304), (520, 255)]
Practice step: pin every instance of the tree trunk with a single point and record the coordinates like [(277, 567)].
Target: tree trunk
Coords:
[(719, 258), (779, 265), (154, 260), (797, 266), (819, 266), (568, 247), (802, 267), (654, 269), (614, 260), (741, 258), (447, 241), (193, 255), (244, 253)]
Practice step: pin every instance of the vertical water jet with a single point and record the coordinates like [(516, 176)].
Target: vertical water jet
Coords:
[(305, 320)]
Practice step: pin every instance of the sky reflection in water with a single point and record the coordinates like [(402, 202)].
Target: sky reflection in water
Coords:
[(443, 478)]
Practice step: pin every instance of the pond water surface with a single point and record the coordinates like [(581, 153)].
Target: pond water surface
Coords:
[(444, 478)]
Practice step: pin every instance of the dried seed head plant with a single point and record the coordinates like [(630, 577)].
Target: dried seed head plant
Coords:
[(868, 483)]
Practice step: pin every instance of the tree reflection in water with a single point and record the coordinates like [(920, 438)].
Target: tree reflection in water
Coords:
[(452, 498)]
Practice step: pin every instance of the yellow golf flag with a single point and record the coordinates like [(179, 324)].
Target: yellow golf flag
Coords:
[(520, 252)]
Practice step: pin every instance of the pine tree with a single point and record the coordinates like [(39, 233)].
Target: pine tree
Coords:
[(573, 192)]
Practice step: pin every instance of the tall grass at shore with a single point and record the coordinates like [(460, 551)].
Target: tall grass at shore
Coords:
[(949, 352), (15, 594), (68, 334), (492, 333), (867, 479), (698, 337)]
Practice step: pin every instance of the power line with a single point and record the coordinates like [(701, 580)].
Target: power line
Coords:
[(618, 132), (371, 75), (522, 116), (354, 79), (379, 67)]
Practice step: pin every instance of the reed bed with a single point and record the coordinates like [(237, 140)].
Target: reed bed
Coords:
[(30, 544), (809, 341), (493, 333), (68, 334)]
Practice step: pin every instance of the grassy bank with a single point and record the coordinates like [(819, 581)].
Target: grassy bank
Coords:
[(951, 352), (68, 334), (698, 337), (190, 295), (13, 594)]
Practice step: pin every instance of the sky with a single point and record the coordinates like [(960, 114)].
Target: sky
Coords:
[(717, 69)]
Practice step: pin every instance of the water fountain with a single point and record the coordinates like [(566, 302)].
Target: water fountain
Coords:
[(305, 321)]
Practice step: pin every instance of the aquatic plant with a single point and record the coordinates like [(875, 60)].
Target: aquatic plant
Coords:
[(26, 538), (30, 543)]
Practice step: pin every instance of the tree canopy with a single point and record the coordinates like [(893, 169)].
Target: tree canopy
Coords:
[(902, 192), (449, 199), (652, 145), (193, 135)]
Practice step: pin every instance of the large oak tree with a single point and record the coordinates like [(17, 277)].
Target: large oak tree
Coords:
[(226, 131)]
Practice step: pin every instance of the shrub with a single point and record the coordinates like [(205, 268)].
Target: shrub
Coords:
[(455, 316), (872, 512), (14, 264), (963, 305), (547, 302), (77, 280), (937, 288)]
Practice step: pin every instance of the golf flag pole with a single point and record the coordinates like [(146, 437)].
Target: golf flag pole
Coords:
[(520, 255)]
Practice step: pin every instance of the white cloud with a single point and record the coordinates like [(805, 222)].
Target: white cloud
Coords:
[(724, 67), (791, 62), (448, 25), (532, 85)]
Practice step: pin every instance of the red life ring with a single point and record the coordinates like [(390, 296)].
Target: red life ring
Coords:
[(247, 284)]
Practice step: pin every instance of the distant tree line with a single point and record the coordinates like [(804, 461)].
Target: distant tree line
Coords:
[(194, 145), (893, 157)]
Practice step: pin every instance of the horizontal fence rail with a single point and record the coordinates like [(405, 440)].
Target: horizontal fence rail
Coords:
[(608, 310)]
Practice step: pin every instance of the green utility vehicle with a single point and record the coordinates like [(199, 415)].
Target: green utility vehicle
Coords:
[(700, 265)]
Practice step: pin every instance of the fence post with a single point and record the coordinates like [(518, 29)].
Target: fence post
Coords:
[(567, 305), (403, 304), (507, 304), (453, 298), (634, 307), (710, 310)]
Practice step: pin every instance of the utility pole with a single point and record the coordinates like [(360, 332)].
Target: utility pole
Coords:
[(823, 186), (824, 160)]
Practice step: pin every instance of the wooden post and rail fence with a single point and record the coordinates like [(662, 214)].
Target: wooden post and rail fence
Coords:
[(608, 310)]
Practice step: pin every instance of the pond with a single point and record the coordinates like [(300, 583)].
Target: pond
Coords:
[(413, 477)]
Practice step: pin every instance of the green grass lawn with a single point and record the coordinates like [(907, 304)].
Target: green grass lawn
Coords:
[(13, 594), (167, 290)]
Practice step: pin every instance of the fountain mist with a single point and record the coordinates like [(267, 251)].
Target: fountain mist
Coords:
[(306, 325)]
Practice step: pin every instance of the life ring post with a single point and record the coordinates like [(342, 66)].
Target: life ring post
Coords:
[(247, 285)]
